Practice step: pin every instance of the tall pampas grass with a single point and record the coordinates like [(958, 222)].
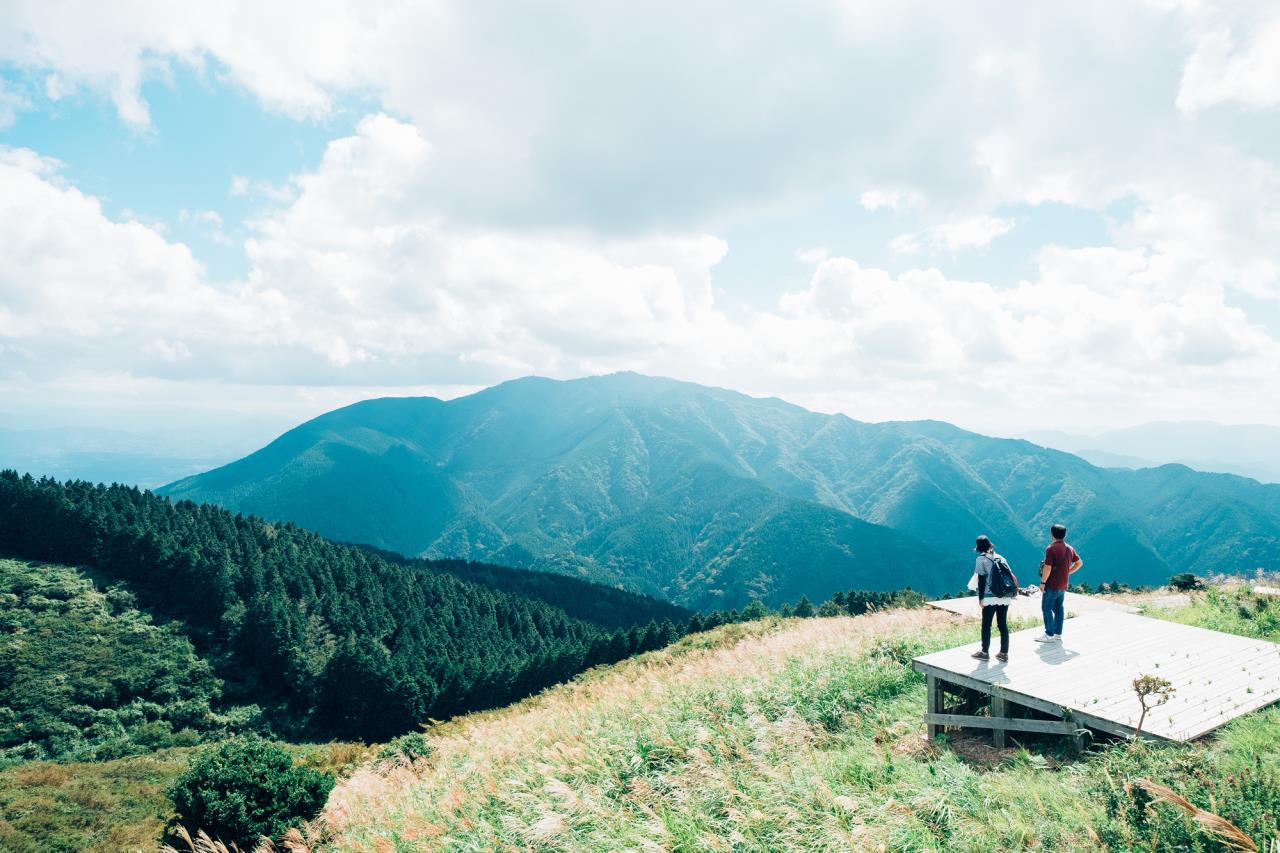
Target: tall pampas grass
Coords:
[(1221, 828)]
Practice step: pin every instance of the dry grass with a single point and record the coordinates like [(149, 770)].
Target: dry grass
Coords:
[(786, 735), (1219, 827), (733, 740)]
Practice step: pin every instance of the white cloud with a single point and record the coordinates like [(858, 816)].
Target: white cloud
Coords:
[(292, 55), (560, 115), (167, 350), (12, 101), (968, 232), (549, 198), (243, 187), (358, 280), (813, 256), (898, 200), (1224, 68), (362, 281), (1097, 325)]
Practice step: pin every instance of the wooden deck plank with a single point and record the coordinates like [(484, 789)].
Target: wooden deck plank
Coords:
[(1106, 654), (1207, 668), (1211, 676), (1092, 672)]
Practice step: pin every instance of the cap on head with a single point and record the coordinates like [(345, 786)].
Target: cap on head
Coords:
[(983, 545), (1058, 531)]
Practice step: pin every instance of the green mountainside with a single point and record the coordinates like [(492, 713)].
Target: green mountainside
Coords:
[(710, 498), (260, 624)]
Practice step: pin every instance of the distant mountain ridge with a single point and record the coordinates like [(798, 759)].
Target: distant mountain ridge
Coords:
[(710, 498), (1249, 450)]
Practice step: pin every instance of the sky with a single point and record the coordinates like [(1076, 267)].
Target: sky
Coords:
[(1007, 216)]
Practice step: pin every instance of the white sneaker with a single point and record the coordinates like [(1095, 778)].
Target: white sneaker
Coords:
[(1044, 638), (1056, 638)]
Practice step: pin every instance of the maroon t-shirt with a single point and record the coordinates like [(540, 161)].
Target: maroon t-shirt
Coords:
[(1060, 557)]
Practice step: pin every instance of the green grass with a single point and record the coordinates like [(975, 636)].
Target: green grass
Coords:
[(98, 806), (120, 805), (772, 735), (1233, 609), (800, 735)]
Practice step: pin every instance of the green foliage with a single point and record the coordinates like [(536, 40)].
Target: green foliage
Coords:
[(854, 602), (1235, 610), (1185, 581), (1152, 691), (85, 675), (408, 747), (1243, 789), (247, 788), (287, 619)]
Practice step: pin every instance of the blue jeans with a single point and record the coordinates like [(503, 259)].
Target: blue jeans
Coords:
[(1051, 607)]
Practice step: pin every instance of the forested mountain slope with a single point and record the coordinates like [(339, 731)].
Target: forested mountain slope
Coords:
[(330, 639), (709, 497)]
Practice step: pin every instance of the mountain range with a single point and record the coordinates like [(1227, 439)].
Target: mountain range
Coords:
[(147, 458), (711, 498), (1250, 450)]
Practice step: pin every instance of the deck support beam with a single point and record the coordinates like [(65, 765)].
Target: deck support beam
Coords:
[(1013, 724), (999, 716), (933, 702)]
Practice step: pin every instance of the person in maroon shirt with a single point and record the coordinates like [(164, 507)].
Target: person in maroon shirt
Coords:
[(1060, 562)]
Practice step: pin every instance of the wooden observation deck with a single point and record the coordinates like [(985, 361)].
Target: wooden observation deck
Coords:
[(1086, 682)]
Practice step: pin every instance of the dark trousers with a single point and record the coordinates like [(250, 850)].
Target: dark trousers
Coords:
[(1001, 614)]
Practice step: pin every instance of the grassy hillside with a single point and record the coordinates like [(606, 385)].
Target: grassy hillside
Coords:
[(796, 735), (112, 806), (711, 498), (86, 675)]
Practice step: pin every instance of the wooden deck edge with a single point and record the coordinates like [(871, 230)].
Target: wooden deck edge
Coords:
[(1082, 717)]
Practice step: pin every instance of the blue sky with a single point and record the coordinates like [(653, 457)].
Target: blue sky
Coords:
[(259, 211), (203, 134)]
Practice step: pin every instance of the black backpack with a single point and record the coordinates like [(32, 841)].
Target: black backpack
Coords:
[(1001, 582)]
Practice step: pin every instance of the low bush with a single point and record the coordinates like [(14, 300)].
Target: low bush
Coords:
[(245, 789), (410, 747)]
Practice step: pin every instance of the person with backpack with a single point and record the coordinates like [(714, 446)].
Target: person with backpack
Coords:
[(1060, 562), (997, 589)]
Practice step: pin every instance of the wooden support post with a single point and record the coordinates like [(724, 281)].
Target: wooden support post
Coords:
[(999, 711), (932, 704)]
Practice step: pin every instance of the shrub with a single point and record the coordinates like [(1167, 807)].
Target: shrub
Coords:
[(410, 747), (247, 788), (1185, 581)]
